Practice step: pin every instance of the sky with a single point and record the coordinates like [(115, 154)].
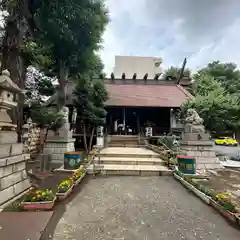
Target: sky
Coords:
[(201, 30)]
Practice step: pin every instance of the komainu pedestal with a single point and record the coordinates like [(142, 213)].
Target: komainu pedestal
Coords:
[(13, 176), (196, 142), (62, 141)]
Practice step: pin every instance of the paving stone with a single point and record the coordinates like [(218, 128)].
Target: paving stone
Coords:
[(30, 229)]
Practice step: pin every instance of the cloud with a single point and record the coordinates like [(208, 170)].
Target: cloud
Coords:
[(202, 31)]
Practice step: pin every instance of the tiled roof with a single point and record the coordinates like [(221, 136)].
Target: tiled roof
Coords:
[(144, 95)]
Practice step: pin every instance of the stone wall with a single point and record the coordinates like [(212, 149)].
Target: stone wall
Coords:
[(13, 176)]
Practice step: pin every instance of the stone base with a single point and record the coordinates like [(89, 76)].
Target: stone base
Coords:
[(57, 147), (10, 149), (203, 153), (195, 137), (13, 177), (8, 137)]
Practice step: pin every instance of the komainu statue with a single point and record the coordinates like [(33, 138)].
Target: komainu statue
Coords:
[(194, 120)]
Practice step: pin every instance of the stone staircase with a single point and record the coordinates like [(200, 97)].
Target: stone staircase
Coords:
[(124, 141), (130, 161)]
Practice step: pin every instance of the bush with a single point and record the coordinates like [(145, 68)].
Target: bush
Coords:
[(170, 141)]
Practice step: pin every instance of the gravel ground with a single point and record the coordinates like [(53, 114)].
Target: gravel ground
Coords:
[(228, 151), (140, 208)]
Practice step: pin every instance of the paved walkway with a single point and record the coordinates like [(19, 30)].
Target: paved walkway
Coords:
[(140, 208)]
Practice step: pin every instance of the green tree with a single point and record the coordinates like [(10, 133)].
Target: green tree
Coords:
[(173, 73), (56, 36), (73, 30), (225, 73), (90, 98), (218, 108), (38, 86), (99, 97)]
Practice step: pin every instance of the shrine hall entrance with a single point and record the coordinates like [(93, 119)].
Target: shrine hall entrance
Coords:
[(136, 119)]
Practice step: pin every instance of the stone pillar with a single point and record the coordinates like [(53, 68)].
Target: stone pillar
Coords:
[(13, 176), (62, 141)]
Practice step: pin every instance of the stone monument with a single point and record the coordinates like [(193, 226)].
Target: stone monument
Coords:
[(196, 142), (13, 176), (59, 142)]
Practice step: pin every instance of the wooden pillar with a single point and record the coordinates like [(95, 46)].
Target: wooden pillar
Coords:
[(138, 125), (110, 124)]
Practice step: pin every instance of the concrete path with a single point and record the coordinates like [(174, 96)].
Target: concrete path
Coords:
[(140, 208)]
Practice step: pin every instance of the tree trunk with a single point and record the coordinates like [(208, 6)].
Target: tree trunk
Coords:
[(91, 139), (85, 138), (63, 77), (11, 60)]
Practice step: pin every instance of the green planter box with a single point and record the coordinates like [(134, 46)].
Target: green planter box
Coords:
[(186, 164), (72, 160)]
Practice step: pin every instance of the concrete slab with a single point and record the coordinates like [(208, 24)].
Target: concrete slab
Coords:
[(23, 225)]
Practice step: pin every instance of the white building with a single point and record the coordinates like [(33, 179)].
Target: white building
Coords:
[(139, 65)]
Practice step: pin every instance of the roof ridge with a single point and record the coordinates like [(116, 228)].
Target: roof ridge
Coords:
[(186, 92)]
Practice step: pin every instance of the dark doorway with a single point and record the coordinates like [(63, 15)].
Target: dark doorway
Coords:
[(131, 121)]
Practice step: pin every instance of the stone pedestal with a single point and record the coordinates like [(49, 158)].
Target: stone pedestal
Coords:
[(59, 143), (13, 175), (200, 146), (57, 147)]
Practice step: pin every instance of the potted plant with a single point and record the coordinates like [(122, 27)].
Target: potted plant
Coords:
[(39, 200), (78, 175), (222, 202), (64, 188)]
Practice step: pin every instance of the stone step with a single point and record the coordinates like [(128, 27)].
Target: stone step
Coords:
[(123, 142), (130, 170), (124, 136), (128, 161), (125, 145), (128, 155)]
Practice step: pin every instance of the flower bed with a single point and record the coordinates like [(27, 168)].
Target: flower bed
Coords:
[(220, 201), (39, 200), (197, 192), (64, 188), (78, 175)]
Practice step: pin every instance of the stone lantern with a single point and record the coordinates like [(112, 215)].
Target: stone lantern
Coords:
[(7, 90), (13, 175)]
